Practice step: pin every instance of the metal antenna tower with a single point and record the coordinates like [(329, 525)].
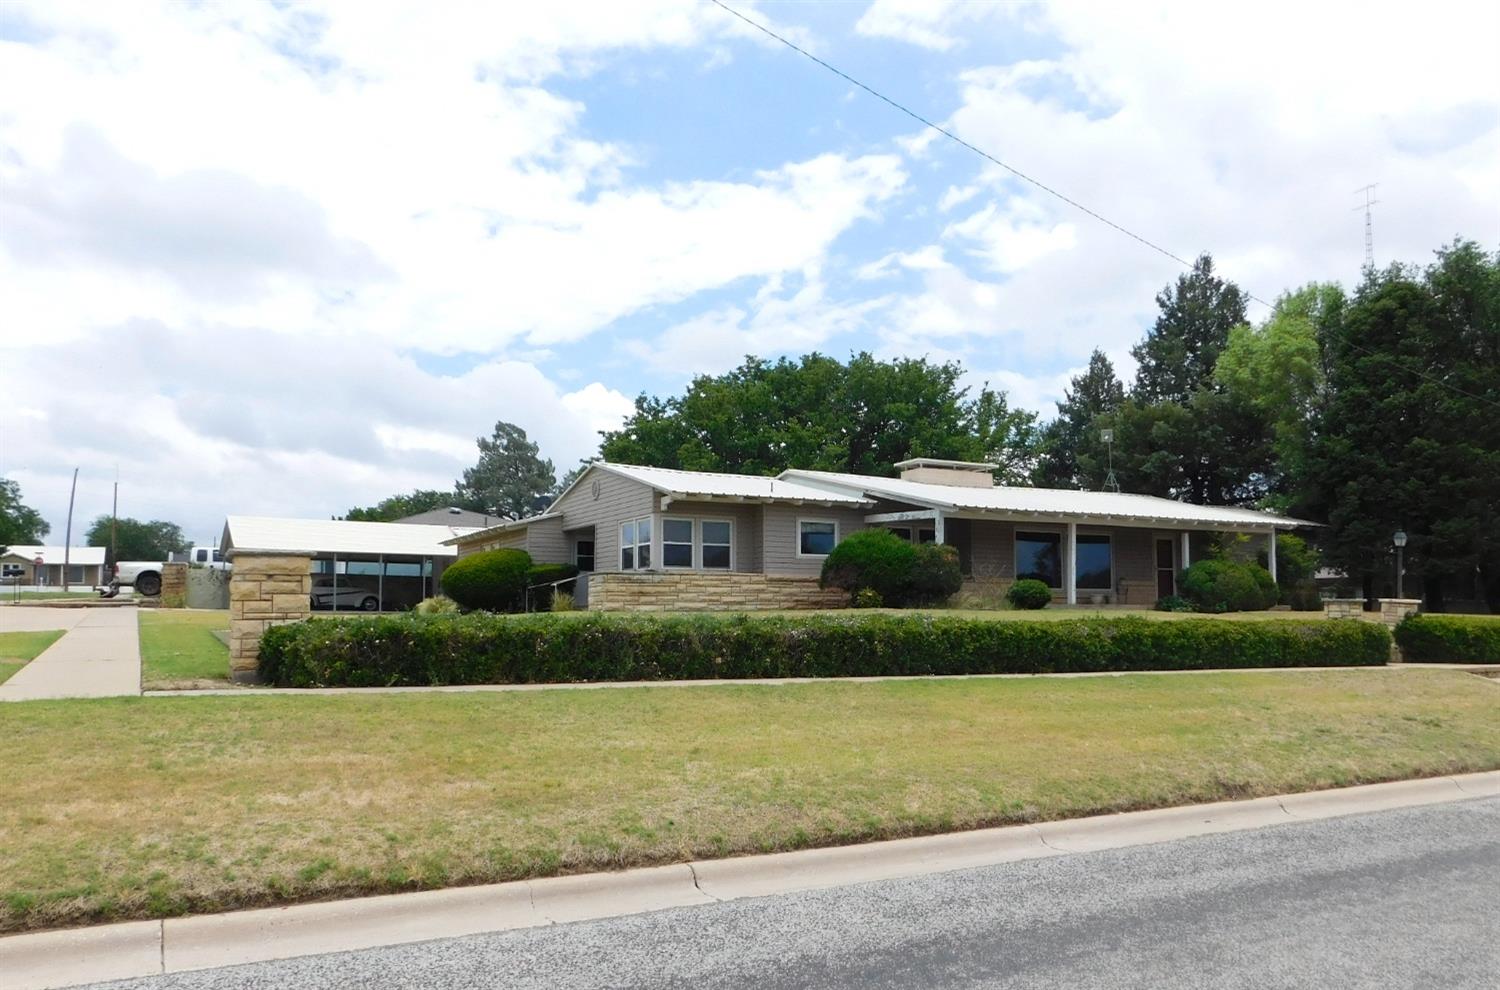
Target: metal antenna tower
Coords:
[(1111, 483), (1370, 201)]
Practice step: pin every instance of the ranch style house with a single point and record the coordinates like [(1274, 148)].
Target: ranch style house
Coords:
[(653, 539)]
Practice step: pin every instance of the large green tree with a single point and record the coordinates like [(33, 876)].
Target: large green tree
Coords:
[(511, 478), (1072, 455), (1178, 355), (137, 540), (816, 412), (400, 506), (1277, 370), (20, 524), (1406, 439)]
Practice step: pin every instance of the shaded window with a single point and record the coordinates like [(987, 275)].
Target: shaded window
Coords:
[(1039, 556), (718, 537), (902, 532), (926, 536), (396, 568), (366, 567), (677, 542), (1093, 562), (816, 537), (627, 547), (201, 556), (583, 555)]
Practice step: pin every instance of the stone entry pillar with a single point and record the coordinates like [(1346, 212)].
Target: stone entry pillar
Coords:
[(174, 578), (265, 589)]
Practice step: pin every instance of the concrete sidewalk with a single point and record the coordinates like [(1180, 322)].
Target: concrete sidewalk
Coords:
[(112, 952), (98, 657)]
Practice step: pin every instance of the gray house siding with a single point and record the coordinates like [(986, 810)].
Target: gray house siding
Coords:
[(779, 536), (547, 544), (620, 499)]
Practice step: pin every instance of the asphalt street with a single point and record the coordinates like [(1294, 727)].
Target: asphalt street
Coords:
[(1406, 898)]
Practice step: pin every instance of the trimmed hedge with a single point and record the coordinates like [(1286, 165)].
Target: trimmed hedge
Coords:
[(1449, 639), (492, 649)]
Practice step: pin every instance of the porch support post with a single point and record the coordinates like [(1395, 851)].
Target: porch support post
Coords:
[(1271, 554), (1185, 552), (1070, 564), (937, 526)]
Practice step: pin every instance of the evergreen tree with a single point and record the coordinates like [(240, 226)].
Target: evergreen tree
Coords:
[(1177, 357), (1071, 451), (510, 479)]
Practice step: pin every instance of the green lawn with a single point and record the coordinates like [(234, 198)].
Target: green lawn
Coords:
[(19, 648), (179, 649), (149, 807)]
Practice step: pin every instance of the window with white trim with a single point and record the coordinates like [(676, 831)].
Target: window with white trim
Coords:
[(718, 543), (635, 545), (677, 543), (816, 537), (1039, 557)]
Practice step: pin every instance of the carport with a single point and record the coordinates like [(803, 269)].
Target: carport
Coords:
[(354, 566)]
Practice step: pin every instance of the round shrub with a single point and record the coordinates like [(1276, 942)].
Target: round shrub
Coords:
[(936, 576), (867, 598), (872, 558), (494, 580), (1029, 593), (1227, 586)]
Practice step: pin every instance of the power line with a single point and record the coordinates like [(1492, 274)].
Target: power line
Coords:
[(924, 121)]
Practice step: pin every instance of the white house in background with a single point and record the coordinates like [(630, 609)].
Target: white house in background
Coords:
[(85, 566), (665, 539)]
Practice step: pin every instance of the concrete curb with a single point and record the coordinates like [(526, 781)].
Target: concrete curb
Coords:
[(46, 960), (268, 692)]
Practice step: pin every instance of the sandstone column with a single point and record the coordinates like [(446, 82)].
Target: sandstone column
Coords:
[(265, 589)]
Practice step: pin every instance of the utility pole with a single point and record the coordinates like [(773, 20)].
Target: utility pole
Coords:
[(68, 533), (1370, 201), (114, 517)]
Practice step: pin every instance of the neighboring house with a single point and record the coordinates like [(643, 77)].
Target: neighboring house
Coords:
[(85, 566), (658, 539)]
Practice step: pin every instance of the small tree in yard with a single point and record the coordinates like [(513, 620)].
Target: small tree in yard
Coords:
[(493, 580), (872, 558)]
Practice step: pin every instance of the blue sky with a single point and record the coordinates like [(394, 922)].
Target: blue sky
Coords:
[(282, 260)]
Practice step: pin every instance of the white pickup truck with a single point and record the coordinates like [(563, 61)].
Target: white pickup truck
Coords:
[(145, 575)]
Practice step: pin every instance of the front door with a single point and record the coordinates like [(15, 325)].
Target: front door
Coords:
[(1166, 573)]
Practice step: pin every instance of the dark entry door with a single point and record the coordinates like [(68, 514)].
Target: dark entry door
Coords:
[(1166, 573)]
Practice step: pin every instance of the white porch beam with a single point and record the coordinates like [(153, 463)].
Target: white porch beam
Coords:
[(1186, 552), (937, 527), (1271, 555), (909, 516), (1070, 564)]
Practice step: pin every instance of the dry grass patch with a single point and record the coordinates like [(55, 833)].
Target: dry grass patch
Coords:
[(152, 807)]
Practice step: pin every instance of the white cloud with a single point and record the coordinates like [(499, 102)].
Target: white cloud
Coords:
[(209, 421), (934, 24)]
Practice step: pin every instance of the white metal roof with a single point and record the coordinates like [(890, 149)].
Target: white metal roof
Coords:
[(87, 556), (1046, 501), (749, 487), (330, 536)]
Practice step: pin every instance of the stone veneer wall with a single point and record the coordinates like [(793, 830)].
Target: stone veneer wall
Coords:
[(265, 589), (1392, 610), (1132, 592), (696, 592), (174, 585)]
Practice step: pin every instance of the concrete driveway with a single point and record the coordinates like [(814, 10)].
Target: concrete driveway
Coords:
[(99, 655)]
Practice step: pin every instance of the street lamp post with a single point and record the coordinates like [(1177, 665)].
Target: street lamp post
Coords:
[(1399, 539)]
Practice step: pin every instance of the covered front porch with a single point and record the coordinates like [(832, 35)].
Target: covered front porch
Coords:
[(1098, 562)]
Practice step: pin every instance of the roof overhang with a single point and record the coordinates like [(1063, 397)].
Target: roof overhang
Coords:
[(833, 503), (1088, 519), (503, 527)]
